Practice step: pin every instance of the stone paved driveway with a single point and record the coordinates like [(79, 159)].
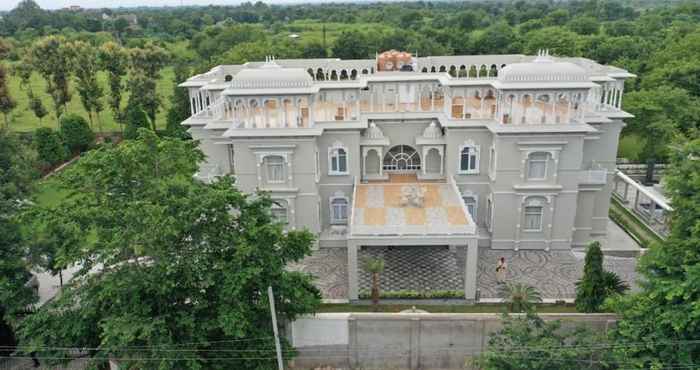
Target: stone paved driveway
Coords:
[(553, 273)]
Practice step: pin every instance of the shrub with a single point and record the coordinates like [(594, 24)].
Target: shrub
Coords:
[(590, 290), (520, 297), (76, 133), (415, 294), (49, 147)]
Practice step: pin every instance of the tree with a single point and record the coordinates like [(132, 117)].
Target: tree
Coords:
[(86, 66), (7, 103), (313, 50), (529, 342), (114, 59), (76, 133), (49, 147), (375, 266), (590, 290), (50, 57), (142, 97), (200, 279), (16, 165), (558, 40), (37, 106), (585, 25), (146, 64), (662, 318), (179, 105), (519, 297), (351, 45)]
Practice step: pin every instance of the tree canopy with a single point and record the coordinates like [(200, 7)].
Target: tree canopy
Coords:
[(201, 278)]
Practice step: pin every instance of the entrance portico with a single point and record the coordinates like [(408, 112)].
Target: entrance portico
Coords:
[(410, 213)]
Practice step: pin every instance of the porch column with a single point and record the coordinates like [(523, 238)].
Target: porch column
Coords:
[(470, 269), (353, 291)]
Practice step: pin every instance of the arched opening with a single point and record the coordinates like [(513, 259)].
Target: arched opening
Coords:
[(319, 75), (483, 71), (353, 74), (432, 69), (228, 78), (344, 74), (433, 162), (463, 71), (334, 76), (311, 72), (424, 70), (372, 162), (472, 72), (402, 158), (494, 71), (443, 69), (453, 71), (364, 71)]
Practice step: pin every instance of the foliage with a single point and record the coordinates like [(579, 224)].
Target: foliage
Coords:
[(590, 290), (76, 133), (15, 184), (665, 312), (51, 58), (114, 59), (529, 342), (7, 104), (179, 105), (146, 64), (374, 266), (86, 65), (415, 294), (519, 297), (200, 279), (613, 284), (49, 147), (352, 45)]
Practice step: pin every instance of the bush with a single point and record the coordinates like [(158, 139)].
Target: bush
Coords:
[(49, 147), (590, 290), (415, 294), (76, 133)]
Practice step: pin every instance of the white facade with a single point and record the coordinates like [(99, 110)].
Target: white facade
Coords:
[(499, 151)]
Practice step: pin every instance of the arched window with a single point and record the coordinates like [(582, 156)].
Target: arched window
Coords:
[(338, 160), (339, 210), (469, 158), (537, 165), (402, 158), (274, 169), (228, 78), (279, 211)]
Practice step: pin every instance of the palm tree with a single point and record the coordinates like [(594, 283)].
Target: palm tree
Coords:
[(519, 297), (613, 284), (375, 266)]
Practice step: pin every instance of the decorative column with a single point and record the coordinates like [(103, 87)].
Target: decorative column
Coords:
[(353, 288), (470, 269)]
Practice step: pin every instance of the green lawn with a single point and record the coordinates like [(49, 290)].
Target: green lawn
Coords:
[(461, 308), (48, 193), (312, 30), (22, 118)]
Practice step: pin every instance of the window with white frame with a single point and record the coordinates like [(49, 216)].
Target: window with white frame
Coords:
[(279, 211), (339, 210), (338, 158), (537, 165), (274, 169), (533, 217), (469, 159), (470, 203)]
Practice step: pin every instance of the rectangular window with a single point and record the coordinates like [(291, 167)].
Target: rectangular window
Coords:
[(533, 218), (340, 212), (280, 215), (537, 166), (275, 169)]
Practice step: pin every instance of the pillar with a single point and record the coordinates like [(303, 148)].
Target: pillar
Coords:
[(470, 269), (353, 286)]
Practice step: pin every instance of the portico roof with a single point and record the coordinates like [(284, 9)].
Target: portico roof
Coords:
[(383, 209)]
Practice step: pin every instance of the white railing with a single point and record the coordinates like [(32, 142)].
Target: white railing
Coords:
[(472, 223), (355, 184)]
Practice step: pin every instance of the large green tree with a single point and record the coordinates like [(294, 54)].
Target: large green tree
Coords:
[(175, 271), (352, 45), (115, 61), (663, 319), (146, 64), (86, 65), (51, 58), (179, 105), (7, 103)]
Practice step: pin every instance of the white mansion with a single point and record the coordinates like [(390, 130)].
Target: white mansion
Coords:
[(489, 151)]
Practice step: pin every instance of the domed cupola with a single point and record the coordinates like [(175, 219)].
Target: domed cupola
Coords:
[(271, 76), (373, 132), (432, 131), (543, 69)]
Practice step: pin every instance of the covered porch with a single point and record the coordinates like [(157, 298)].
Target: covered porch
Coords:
[(420, 229)]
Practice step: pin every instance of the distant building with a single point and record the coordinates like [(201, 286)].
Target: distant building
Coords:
[(506, 152)]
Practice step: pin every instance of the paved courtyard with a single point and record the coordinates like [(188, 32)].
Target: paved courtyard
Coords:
[(553, 273)]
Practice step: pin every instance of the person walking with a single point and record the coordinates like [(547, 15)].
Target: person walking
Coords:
[(501, 270)]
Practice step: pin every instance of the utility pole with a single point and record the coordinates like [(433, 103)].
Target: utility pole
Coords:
[(271, 298)]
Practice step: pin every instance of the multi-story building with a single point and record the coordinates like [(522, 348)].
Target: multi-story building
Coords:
[(490, 151)]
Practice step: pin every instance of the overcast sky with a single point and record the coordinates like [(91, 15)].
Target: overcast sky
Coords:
[(57, 4)]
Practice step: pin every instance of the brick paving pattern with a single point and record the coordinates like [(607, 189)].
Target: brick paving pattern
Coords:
[(329, 266), (413, 268)]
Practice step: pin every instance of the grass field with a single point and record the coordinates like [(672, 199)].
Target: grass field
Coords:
[(461, 308), (311, 30), (22, 118)]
